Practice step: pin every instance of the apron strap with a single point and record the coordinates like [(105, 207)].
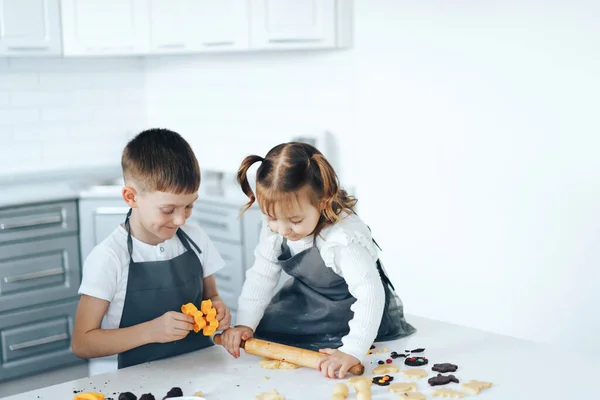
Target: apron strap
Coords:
[(129, 240), (186, 240)]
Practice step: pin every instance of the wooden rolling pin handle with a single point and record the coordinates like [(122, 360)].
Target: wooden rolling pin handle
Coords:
[(357, 369)]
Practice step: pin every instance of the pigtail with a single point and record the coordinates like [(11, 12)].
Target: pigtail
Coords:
[(242, 179), (334, 198)]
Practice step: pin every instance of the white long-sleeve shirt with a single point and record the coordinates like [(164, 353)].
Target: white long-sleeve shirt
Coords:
[(348, 249)]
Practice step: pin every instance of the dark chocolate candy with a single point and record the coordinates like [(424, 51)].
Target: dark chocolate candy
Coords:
[(147, 396), (174, 392), (444, 367), (416, 361), (419, 350), (379, 381), (442, 380), (127, 396)]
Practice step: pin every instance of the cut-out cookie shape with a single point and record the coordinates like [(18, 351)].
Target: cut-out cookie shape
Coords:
[(444, 367), (474, 387), (448, 393), (442, 380), (403, 387), (272, 395), (89, 396), (386, 369), (415, 361), (414, 373), (412, 396), (341, 389), (355, 379), (268, 363), (205, 318)]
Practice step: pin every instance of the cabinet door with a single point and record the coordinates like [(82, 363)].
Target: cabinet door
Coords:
[(107, 27), (293, 24), (186, 26), (29, 28)]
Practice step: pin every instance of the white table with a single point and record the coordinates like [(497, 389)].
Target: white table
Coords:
[(519, 370)]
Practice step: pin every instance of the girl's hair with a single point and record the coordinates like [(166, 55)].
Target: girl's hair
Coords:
[(290, 168)]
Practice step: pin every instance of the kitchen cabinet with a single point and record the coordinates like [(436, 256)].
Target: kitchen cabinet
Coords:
[(107, 27), (40, 273), (30, 28), (196, 26), (307, 24)]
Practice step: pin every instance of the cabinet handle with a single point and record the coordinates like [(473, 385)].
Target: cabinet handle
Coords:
[(212, 223), (225, 278), (111, 210), (215, 44), (172, 46), (41, 220), (38, 342), (34, 275), (28, 48), (299, 40)]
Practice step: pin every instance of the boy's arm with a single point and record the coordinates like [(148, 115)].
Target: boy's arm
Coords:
[(89, 341)]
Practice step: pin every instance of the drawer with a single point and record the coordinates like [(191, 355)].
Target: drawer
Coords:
[(37, 339), (219, 222), (231, 277), (39, 272), (20, 223)]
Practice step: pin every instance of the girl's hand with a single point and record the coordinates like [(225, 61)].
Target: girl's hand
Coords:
[(223, 313), (335, 360), (232, 337)]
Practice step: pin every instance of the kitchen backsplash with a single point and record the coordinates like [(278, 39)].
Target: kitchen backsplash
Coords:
[(57, 113)]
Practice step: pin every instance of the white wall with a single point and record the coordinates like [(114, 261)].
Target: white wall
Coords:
[(470, 130), (230, 106), (483, 117), (474, 153), (56, 112)]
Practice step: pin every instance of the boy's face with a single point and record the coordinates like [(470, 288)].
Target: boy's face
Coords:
[(162, 213)]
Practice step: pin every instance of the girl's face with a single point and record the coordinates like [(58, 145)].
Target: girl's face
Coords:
[(296, 221)]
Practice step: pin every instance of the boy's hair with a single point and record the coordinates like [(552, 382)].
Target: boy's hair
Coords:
[(161, 160), (286, 170)]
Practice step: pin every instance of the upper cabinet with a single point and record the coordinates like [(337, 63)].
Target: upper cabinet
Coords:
[(105, 27), (193, 26), (298, 24), (30, 28), (77, 28)]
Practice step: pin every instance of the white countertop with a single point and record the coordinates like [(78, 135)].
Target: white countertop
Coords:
[(519, 370)]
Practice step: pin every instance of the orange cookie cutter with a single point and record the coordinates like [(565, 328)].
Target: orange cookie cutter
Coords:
[(205, 318), (89, 396)]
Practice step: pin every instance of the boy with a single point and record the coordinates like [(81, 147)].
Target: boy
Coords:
[(152, 264)]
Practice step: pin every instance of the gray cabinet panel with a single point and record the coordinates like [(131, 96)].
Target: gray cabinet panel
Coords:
[(219, 222), (36, 340), (21, 223), (231, 277), (37, 272)]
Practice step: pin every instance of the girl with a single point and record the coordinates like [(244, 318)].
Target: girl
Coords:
[(338, 294)]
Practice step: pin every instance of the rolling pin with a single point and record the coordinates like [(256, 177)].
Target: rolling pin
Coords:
[(282, 352)]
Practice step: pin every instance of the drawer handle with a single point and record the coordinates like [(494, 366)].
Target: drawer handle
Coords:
[(226, 278), (172, 46), (212, 223), (28, 48), (299, 40), (216, 44), (38, 342), (112, 210), (34, 275), (43, 220)]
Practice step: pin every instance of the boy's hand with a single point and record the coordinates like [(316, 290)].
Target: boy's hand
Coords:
[(232, 337), (335, 360), (170, 326), (223, 313)]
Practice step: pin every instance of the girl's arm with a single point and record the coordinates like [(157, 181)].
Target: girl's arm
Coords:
[(360, 272), (261, 279)]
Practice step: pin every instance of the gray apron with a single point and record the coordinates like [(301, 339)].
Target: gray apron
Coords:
[(312, 309), (155, 287)]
